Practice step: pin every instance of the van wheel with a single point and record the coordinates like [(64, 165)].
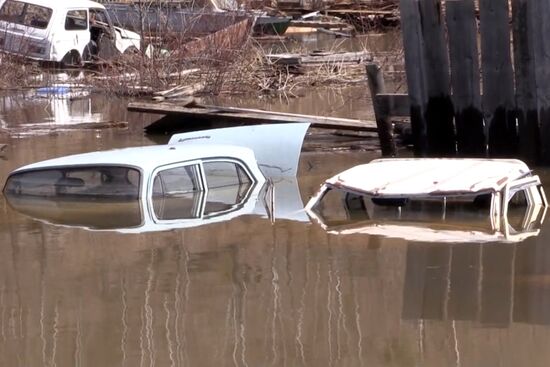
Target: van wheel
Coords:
[(71, 59)]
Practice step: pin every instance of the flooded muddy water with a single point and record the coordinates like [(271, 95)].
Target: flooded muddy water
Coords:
[(251, 291)]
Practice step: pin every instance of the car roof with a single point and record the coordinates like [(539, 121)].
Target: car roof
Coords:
[(147, 158), (422, 176), (64, 3)]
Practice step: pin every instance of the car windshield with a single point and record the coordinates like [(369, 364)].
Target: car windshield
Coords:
[(29, 15), (97, 181)]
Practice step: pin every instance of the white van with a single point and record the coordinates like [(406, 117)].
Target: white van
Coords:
[(70, 32)]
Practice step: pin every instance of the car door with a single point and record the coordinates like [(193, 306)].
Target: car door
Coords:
[(103, 34)]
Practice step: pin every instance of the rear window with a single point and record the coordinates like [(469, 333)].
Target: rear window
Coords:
[(104, 181), (30, 15)]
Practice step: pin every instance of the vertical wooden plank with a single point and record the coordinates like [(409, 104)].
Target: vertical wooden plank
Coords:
[(462, 32), (439, 109), (498, 80), (413, 45), (384, 126), (427, 68), (538, 13), (524, 65)]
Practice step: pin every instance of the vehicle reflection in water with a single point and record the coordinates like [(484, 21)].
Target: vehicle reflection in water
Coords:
[(278, 199), (38, 111), (492, 285)]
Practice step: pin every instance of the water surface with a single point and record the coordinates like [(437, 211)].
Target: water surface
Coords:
[(253, 292)]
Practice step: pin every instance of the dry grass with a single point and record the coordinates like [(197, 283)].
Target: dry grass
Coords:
[(221, 71)]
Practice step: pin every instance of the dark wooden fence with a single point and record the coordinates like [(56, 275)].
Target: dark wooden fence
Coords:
[(478, 82)]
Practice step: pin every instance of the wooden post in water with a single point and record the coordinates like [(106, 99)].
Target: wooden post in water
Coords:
[(462, 31), (384, 126), (426, 53), (526, 85), (498, 77)]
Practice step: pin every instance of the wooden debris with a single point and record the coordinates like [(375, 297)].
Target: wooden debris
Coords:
[(134, 76), (178, 92), (42, 129), (348, 33), (320, 58), (319, 24), (239, 116)]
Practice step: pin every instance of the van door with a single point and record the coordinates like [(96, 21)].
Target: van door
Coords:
[(71, 42), (103, 34), (24, 29)]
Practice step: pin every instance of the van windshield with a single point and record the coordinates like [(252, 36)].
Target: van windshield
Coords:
[(29, 15)]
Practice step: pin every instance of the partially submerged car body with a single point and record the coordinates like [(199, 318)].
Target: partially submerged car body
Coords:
[(197, 178), (433, 200), (61, 31)]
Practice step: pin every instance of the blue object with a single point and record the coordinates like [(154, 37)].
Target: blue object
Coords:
[(53, 90)]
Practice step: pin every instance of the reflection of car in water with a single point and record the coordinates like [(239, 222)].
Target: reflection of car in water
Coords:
[(197, 178), (70, 32), (433, 200)]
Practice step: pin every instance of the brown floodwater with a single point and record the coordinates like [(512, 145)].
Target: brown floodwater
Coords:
[(250, 291)]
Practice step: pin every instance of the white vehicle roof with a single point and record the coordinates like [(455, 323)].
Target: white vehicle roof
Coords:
[(147, 158), (425, 176), (274, 149), (63, 3)]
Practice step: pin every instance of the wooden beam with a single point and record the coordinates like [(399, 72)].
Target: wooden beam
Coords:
[(462, 32), (538, 31), (498, 78), (523, 21), (427, 67), (247, 116), (439, 110), (416, 72), (375, 78)]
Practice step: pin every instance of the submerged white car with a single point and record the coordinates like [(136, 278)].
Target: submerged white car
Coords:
[(197, 178), (68, 32), (433, 200)]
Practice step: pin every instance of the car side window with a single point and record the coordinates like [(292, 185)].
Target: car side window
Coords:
[(228, 186), (76, 20), (177, 193), (221, 174)]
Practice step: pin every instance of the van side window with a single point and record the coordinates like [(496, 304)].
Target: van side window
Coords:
[(77, 20), (12, 11), (37, 16), (29, 15)]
